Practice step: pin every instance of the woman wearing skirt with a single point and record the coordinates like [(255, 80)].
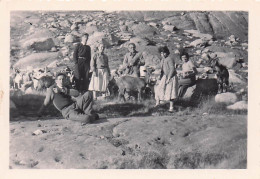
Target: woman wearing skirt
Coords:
[(100, 72), (167, 88)]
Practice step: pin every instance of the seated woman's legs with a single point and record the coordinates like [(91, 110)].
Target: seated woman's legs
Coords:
[(183, 86)]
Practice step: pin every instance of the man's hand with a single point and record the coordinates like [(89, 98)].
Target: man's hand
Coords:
[(73, 98)]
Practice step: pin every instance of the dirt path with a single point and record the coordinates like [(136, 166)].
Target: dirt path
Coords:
[(188, 141)]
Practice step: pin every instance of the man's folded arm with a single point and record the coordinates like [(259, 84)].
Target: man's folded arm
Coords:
[(47, 100)]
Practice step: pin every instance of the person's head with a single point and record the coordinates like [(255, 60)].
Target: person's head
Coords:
[(131, 47), (164, 51), (101, 48), (84, 38), (60, 80), (184, 57)]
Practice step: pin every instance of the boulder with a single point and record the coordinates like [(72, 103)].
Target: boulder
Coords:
[(227, 59), (65, 51), (169, 28), (113, 40), (198, 42), (201, 22), (153, 24), (189, 92), (53, 64), (99, 37), (69, 38), (123, 28), (76, 33), (74, 26), (50, 19), (39, 44), (139, 42), (205, 56), (235, 78), (121, 23), (53, 49), (36, 60), (150, 58), (143, 30), (181, 22), (226, 98), (240, 105), (197, 33), (90, 29), (226, 23), (66, 23)]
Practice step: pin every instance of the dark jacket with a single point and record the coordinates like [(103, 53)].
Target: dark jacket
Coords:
[(82, 58)]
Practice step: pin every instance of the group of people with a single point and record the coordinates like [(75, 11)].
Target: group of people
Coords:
[(170, 87), (92, 73)]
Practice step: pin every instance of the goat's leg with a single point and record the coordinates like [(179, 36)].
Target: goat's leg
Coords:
[(225, 85), (121, 95), (220, 85), (220, 88), (139, 95), (224, 88)]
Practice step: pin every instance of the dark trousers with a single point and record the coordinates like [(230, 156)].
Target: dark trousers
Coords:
[(184, 84), (81, 110), (82, 80)]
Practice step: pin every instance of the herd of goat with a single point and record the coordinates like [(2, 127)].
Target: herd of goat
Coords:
[(119, 85)]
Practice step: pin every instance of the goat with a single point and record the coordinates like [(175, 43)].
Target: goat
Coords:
[(128, 84), (44, 82), (18, 80), (222, 75)]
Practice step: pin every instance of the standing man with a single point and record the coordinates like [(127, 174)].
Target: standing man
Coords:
[(82, 58), (132, 61), (68, 101)]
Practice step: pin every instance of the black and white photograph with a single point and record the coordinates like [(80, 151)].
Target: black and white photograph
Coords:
[(128, 89)]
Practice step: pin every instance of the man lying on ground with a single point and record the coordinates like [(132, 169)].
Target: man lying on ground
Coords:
[(69, 102)]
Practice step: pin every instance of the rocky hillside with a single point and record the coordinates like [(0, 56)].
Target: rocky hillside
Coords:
[(212, 134), (219, 24), (40, 39), (38, 35)]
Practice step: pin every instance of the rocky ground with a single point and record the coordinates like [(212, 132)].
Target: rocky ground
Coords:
[(190, 140), (212, 134)]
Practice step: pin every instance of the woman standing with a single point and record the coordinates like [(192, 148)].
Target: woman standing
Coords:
[(100, 72), (167, 88), (188, 75)]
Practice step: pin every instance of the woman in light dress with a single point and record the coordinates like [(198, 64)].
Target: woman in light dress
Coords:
[(167, 88), (100, 72)]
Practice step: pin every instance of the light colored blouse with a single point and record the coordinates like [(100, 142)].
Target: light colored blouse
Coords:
[(168, 67), (99, 61), (188, 66)]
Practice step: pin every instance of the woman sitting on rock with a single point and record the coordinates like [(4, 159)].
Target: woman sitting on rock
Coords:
[(101, 72), (167, 87), (188, 75)]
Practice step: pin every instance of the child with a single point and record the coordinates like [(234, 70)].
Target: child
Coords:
[(100, 72)]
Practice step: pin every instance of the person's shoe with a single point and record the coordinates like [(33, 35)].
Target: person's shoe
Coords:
[(95, 117), (86, 120), (171, 110), (157, 104)]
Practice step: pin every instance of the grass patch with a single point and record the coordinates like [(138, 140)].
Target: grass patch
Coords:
[(28, 105)]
